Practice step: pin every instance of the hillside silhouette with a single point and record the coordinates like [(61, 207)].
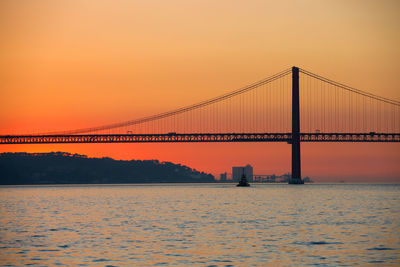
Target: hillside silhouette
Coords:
[(66, 168)]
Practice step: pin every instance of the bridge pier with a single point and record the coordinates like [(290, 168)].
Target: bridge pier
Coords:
[(296, 161)]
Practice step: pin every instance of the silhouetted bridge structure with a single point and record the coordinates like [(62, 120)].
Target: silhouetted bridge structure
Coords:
[(266, 111), (193, 138)]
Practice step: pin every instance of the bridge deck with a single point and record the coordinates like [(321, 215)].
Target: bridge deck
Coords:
[(199, 137)]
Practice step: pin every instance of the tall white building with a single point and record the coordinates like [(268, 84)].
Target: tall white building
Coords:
[(238, 171)]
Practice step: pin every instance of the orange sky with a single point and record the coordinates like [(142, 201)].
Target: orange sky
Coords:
[(71, 64)]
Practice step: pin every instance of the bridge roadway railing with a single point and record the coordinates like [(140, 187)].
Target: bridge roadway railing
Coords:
[(199, 137)]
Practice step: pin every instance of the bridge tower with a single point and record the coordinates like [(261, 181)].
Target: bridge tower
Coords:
[(296, 162)]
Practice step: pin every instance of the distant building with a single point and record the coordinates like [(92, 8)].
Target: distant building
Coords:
[(284, 178), (237, 173), (222, 177)]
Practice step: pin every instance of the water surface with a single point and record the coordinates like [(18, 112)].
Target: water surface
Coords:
[(201, 225)]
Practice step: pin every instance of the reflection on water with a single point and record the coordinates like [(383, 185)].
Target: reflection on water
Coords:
[(206, 225)]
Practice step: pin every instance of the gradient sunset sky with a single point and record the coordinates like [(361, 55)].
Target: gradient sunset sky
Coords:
[(68, 64)]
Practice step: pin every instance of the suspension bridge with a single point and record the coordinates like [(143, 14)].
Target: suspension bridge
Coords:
[(269, 110)]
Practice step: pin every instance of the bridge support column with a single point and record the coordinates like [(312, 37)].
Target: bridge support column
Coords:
[(296, 162)]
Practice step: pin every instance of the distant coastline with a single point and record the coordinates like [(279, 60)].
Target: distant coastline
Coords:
[(66, 168)]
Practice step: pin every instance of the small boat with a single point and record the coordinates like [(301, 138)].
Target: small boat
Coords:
[(243, 181)]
